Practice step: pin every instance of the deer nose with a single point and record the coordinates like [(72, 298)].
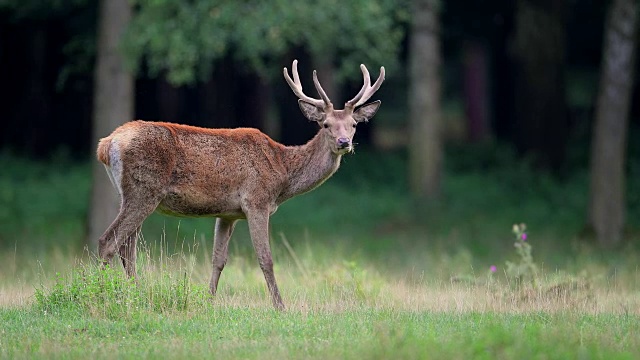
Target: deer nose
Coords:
[(343, 142)]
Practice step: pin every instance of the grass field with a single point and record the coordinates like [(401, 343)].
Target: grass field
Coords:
[(336, 309), (379, 278)]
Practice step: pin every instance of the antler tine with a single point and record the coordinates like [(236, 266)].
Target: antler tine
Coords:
[(367, 82), (367, 91), (296, 86), (320, 90)]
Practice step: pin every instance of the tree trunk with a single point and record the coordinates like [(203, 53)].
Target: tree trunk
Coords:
[(425, 148), (476, 91), (113, 105), (541, 110), (607, 193)]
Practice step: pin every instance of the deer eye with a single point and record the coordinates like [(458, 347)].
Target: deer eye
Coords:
[(325, 125), (354, 124)]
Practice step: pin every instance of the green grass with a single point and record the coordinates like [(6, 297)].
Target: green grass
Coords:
[(358, 334), (336, 309), (364, 272)]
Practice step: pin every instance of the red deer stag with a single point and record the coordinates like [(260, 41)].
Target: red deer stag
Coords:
[(229, 174)]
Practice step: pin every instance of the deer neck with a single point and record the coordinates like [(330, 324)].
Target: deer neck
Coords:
[(309, 166)]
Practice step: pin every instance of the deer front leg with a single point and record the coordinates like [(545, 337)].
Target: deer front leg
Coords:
[(222, 234), (259, 231)]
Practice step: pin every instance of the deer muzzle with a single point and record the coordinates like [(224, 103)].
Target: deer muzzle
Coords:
[(344, 143)]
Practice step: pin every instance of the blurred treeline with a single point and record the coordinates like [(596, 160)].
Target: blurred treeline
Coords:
[(48, 53), (526, 74)]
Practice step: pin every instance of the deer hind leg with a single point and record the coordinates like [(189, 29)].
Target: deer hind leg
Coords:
[(128, 254), (222, 234), (259, 231), (133, 211)]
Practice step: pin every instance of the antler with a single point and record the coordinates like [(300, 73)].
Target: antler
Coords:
[(367, 91), (296, 86)]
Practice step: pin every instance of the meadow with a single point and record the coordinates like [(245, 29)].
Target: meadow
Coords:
[(363, 270)]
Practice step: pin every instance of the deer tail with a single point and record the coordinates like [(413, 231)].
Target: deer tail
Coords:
[(103, 150)]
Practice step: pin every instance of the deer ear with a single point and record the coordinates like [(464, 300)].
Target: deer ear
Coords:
[(366, 112), (311, 112)]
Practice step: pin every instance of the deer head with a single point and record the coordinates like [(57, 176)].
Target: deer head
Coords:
[(336, 126)]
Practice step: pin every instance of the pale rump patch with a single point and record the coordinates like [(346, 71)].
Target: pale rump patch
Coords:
[(114, 170), (120, 140)]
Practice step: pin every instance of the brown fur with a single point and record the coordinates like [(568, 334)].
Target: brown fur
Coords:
[(230, 174), (103, 150)]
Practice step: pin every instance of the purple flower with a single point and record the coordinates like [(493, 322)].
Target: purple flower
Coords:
[(493, 268), (524, 236)]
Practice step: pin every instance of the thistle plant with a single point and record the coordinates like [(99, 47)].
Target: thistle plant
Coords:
[(524, 270)]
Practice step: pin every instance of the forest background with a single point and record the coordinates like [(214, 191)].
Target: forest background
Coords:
[(472, 87), (491, 209)]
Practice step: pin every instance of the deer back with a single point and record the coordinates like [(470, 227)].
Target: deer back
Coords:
[(199, 171)]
